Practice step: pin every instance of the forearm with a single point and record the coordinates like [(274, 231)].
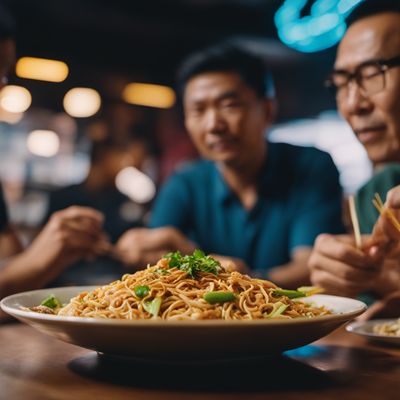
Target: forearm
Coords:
[(293, 274), (388, 282), (20, 273), (9, 243)]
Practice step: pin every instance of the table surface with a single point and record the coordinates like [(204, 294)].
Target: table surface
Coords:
[(340, 366)]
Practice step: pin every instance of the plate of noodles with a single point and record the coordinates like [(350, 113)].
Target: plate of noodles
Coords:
[(383, 330), (184, 308)]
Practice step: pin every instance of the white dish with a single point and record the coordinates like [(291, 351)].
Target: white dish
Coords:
[(182, 340), (366, 329)]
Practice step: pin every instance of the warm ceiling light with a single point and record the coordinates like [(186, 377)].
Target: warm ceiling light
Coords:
[(41, 69), (43, 143), (145, 94), (82, 102), (135, 184), (15, 99), (10, 117)]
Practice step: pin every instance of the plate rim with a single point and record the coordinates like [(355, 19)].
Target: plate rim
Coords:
[(20, 313), (354, 327)]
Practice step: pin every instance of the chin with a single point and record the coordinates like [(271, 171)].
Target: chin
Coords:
[(223, 157)]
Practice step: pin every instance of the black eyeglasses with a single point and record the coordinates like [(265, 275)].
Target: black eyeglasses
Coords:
[(369, 76)]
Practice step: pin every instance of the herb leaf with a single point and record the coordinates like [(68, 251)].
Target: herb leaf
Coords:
[(51, 302), (193, 264), (141, 291)]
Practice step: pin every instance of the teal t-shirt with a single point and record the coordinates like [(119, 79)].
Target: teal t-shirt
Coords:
[(299, 197), (380, 183)]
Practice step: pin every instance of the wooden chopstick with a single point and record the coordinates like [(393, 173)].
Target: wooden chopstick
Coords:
[(378, 203), (354, 222)]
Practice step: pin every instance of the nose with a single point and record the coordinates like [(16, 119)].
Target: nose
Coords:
[(214, 121), (355, 101)]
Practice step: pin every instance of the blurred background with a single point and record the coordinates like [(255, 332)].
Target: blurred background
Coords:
[(88, 70)]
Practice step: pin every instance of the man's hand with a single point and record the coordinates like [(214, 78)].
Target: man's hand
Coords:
[(70, 235), (232, 263), (388, 307), (340, 268), (141, 246)]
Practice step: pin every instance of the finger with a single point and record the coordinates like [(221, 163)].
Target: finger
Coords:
[(393, 198), (353, 275), (340, 249), (336, 285), (84, 226), (172, 239), (82, 212)]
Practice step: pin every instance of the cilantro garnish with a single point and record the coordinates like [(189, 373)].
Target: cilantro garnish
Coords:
[(193, 264)]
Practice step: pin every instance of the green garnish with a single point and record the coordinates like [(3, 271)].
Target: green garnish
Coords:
[(292, 294), (153, 306), (51, 302), (141, 291), (278, 309), (193, 264), (219, 297), (310, 290), (303, 291), (162, 271)]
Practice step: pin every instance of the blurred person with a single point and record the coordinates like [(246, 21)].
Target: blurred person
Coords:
[(108, 156), (98, 191), (366, 77), (258, 203), (70, 235)]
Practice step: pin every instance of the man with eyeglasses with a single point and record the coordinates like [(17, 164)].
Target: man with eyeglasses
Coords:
[(366, 81)]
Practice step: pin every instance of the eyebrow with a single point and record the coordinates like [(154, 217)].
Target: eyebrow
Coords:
[(229, 94), (364, 63)]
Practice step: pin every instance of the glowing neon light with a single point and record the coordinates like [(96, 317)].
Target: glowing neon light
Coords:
[(323, 28)]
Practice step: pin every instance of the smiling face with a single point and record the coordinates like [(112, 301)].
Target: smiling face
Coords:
[(225, 118), (375, 119)]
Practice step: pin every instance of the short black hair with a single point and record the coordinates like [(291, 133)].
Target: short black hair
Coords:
[(368, 8), (7, 24), (227, 57)]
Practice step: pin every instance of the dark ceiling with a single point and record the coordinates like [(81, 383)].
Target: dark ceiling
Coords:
[(109, 42)]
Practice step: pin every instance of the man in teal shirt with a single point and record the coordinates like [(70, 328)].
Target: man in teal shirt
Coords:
[(260, 203)]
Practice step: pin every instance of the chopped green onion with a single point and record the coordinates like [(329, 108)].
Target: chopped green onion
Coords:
[(141, 291), (153, 306), (292, 294), (219, 297), (310, 290), (51, 302), (279, 308), (302, 291)]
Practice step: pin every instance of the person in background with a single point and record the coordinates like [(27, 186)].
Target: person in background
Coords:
[(70, 235), (258, 203), (366, 77), (109, 155)]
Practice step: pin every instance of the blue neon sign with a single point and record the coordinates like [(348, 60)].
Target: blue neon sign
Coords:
[(323, 28)]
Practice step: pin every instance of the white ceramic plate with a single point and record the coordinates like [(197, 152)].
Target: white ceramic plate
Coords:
[(367, 329), (182, 340)]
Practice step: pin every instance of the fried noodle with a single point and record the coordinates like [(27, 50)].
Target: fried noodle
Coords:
[(182, 297)]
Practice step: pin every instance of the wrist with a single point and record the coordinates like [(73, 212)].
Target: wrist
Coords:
[(388, 282)]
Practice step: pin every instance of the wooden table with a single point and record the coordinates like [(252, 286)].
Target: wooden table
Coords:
[(341, 366)]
